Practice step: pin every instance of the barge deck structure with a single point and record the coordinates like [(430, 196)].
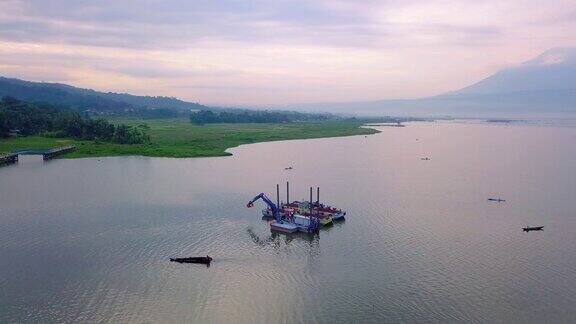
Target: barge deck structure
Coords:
[(283, 222), (284, 227), (299, 216)]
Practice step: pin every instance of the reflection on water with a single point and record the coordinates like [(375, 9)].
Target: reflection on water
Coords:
[(277, 240), (89, 240)]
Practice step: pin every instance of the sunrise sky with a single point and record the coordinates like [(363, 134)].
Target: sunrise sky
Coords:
[(276, 52)]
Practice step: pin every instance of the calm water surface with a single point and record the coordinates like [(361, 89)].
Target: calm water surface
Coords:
[(88, 240)]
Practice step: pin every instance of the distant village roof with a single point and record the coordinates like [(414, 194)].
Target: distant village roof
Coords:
[(13, 132)]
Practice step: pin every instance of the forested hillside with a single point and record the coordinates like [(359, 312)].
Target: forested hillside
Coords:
[(94, 101)]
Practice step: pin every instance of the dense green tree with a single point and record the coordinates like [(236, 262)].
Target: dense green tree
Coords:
[(252, 116), (31, 118), (4, 128)]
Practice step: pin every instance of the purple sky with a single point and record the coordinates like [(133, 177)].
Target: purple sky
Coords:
[(276, 52)]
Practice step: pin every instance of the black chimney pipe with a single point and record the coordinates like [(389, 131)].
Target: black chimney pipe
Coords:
[(287, 192), (311, 206), (278, 195)]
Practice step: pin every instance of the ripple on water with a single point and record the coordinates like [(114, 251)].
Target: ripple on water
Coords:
[(420, 243)]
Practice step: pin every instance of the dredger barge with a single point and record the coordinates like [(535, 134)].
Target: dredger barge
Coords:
[(298, 216)]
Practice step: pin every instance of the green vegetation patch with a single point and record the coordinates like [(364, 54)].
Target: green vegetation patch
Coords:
[(180, 138)]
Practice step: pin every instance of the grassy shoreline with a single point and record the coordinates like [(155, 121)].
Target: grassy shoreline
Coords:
[(179, 138)]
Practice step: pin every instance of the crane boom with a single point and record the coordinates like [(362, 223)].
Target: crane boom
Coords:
[(273, 207), (311, 227)]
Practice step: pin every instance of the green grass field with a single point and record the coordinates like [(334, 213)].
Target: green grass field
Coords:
[(180, 138)]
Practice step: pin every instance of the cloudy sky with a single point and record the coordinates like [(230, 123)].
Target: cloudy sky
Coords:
[(274, 51)]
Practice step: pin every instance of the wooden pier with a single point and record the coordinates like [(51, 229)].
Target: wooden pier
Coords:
[(50, 154), (47, 154)]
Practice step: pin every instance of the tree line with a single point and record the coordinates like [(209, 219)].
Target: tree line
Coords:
[(52, 120), (202, 117)]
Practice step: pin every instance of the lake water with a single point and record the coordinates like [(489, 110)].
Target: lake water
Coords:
[(89, 240)]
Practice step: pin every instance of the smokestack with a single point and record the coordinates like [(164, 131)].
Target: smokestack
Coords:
[(287, 192), (278, 195), (318, 195), (311, 208)]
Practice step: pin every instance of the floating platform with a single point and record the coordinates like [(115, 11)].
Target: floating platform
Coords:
[(326, 221), (284, 227), (297, 216), (304, 223)]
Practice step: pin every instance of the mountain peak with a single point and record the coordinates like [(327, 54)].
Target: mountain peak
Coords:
[(554, 56), (554, 69)]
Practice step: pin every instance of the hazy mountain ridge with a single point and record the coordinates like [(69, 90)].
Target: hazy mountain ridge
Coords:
[(62, 94), (543, 85), (553, 70)]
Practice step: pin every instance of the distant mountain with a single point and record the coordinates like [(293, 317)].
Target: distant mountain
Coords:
[(86, 99), (553, 70), (545, 85)]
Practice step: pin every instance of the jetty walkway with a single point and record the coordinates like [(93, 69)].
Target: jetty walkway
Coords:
[(47, 154)]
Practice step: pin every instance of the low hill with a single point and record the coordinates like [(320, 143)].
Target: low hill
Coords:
[(86, 99)]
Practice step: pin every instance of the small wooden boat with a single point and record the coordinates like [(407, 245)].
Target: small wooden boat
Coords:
[(288, 168), (532, 228), (337, 217), (203, 260), (496, 199)]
